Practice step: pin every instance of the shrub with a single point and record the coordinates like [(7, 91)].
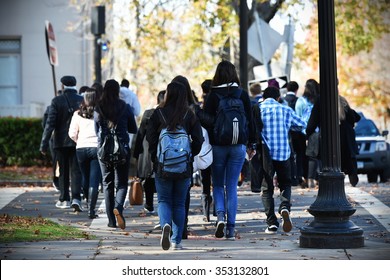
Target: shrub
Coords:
[(20, 139)]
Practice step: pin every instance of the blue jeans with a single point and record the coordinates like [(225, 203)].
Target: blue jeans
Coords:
[(226, 169), (90, 168), (171, 196), (115, 184)]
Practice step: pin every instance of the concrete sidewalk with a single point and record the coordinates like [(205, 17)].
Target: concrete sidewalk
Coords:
[(139, 241)]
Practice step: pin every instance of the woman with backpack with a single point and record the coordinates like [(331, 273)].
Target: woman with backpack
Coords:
[(113, 114), (232, 132), (173, 116), (82, 131)]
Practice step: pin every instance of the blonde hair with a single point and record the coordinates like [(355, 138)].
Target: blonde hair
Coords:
[(255, 89), (343, 104)]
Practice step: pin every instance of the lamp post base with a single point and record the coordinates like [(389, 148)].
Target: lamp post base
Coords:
[(331, 227), (328, 234)]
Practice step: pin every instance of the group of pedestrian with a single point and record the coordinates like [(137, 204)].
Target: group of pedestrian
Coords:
[(75, 122), (263, 128)]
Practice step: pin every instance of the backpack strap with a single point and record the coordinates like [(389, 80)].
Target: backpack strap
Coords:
[(165, 120)]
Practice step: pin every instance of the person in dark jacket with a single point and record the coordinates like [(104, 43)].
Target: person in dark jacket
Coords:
[(172, 193), (228, 159), (144, 161), (111, 111), (348, 146), (58, 121), (295, 136), (51, 147), (206, 121)]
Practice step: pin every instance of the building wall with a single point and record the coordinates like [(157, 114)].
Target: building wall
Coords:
[(25, 19)]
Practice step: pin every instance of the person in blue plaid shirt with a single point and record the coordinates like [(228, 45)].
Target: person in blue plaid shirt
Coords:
[(277, 120)]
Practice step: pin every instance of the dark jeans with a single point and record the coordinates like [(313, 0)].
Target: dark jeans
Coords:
[(150, 189), (299, 146), (115, 185), (283, 172), (70, 173), (314, 165), (206, 180), (256, 171), (53, 160), (90, 168)]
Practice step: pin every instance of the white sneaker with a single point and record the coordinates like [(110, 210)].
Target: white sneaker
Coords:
[(286, 221), (147, 211), (273, 229), (63, 204), (166, 237), (176, 246)]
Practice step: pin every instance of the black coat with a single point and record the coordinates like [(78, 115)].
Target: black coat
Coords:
[(141, 148), (124, 120), (58, 119), (348, 145)]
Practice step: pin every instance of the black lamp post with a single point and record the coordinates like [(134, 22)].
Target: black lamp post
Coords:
[(98, 23), (244, 44), (331, 227)]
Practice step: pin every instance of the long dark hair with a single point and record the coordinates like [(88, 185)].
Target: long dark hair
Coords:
[(109, 100), (183, 80), (225, 74), (87, 106), (312, 90), (99, 89), (175, 98)]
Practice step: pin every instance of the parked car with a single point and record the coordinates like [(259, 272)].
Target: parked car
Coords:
[(374, 151)]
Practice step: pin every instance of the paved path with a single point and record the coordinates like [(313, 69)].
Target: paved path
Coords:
[(140, 241)]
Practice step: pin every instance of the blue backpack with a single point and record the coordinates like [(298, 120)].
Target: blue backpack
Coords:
[(173, 153), (231, 125)]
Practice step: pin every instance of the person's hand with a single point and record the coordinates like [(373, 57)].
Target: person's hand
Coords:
[(43, 152), (251, 153)]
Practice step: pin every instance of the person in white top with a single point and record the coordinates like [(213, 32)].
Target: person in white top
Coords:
[(82, 131), (130, 98)]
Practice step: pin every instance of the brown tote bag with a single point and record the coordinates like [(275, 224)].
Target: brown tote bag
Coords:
[(136, 196)]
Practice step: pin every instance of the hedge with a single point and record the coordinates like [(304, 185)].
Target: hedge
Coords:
[(20, 139)]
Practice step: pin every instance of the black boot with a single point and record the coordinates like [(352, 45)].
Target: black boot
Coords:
[(93, 196), (206, 203)]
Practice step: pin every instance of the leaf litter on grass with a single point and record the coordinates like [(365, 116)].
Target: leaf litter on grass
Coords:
[(27, 229)]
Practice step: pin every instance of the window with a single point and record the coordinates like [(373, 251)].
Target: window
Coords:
[(10, 91)]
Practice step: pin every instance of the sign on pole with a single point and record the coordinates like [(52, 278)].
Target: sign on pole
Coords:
[(51, 49), (51, 44)]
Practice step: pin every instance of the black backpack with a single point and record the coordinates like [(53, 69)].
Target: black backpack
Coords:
[(112, 152), (231, 125)]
